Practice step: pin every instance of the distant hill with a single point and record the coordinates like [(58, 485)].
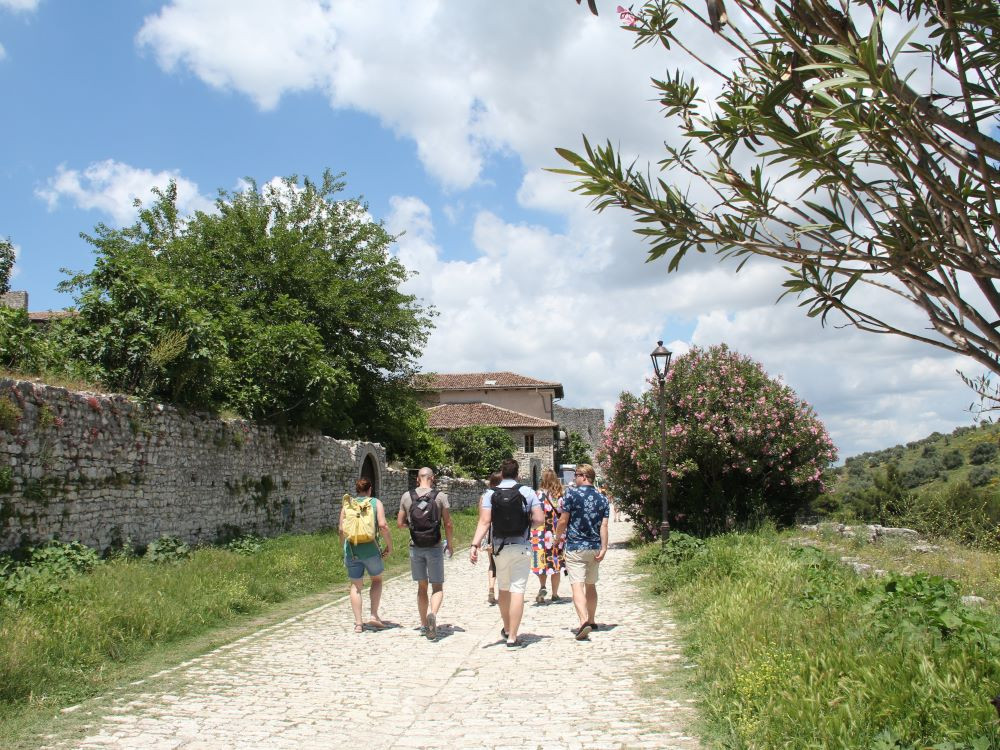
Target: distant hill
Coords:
[(969, 454)]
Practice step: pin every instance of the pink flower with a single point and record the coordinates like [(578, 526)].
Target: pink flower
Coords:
[(626, 17)]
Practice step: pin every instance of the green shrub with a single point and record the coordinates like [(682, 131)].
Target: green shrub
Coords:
[(246, 545), (981, 475), (167, 549), (952, 459), (983, 453)]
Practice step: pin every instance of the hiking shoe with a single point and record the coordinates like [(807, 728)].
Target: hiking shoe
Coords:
[(583, 633), (555, 598), (423, 630), (540, 599), (432, 626), (516, 644)]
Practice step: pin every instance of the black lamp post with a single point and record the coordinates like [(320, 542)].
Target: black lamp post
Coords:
[(661, 365)]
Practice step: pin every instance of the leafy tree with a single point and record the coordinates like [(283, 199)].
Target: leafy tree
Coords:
[(741, 447), (819, 147), (6, 264), (576, 451), (479, 450), (283, 304)]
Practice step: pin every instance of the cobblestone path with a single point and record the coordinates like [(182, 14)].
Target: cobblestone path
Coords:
[(311, 682)]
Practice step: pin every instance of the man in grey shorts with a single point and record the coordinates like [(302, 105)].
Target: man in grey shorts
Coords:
[(426, 552)]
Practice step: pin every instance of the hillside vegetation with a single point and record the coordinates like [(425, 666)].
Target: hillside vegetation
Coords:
[(942, 485)]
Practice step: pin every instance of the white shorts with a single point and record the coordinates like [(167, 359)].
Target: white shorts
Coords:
[(513, 568), (581, 566)]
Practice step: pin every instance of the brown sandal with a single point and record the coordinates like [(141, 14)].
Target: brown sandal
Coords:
[(359, 628)]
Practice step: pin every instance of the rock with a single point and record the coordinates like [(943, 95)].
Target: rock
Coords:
[(899, 532), (973, 601), (925, 548)]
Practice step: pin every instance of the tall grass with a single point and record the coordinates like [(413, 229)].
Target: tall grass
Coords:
[(60, 646), (795, 651)]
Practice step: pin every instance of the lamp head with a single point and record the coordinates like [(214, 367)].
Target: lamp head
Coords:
[(661, 360)]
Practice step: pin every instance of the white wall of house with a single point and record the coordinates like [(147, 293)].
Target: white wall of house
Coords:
[(531, 401)]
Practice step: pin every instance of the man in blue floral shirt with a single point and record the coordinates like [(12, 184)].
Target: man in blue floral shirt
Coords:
[(584, 522)]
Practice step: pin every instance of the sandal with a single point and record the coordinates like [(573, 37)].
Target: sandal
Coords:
[(359, 628), (540, 599), (376, 623), (555, 598)]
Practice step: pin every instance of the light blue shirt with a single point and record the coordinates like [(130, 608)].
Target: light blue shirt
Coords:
[(533, 502)]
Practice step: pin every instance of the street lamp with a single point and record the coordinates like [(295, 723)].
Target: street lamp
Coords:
[(661, 365)]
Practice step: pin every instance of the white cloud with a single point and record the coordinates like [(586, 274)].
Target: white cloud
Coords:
[(3, 52), (17, 253), (19, 5), (113, 187)]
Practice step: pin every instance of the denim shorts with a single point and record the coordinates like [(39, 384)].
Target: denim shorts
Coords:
[(357, 566), (427, 564)]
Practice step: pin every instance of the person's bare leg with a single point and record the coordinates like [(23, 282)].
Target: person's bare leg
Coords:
[(437, 596), (375, 598), (580, 601), (356, 585), (504, 601), (591, 603), (515, 610), (422, 602), (556, 577)]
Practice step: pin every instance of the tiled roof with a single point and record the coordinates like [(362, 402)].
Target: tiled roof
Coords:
[(43, 316), (453, 416), (464, 381)]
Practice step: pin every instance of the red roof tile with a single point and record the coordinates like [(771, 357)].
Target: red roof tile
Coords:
[(453, 416), (435, 381)]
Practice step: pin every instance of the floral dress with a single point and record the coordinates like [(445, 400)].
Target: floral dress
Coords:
[(546, 555)]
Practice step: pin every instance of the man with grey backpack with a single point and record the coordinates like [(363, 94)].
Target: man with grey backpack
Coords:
[(511, 510), (424, 511)]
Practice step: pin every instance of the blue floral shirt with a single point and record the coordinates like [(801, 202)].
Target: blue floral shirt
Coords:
[(587, 508)]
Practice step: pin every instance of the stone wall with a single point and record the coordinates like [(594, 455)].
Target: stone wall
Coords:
[(103, 468), (16, 300), (589, 423)]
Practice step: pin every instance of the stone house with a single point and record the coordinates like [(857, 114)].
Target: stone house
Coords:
[(521, 405)]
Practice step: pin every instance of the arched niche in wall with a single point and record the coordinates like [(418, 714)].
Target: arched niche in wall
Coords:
[(534, 476), (369, 470)]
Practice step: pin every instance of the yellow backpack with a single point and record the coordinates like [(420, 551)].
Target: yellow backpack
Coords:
[(359, 520)]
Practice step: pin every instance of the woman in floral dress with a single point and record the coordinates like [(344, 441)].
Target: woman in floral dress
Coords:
[(547, 556)]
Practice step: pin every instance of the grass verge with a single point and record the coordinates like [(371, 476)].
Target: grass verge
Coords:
[(98, 629), (794, 650)]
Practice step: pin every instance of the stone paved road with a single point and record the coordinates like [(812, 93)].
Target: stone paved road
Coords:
[(291, 686)]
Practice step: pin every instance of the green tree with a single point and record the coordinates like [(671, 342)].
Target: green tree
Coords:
[(479, 450), (819, 147), (576, 451), (6, 264), (741, 447), (284, 304)]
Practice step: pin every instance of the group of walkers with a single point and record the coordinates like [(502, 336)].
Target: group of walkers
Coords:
[(553, 532)]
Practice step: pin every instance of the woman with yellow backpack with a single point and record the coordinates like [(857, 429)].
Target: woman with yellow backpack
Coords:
[(361, 520)]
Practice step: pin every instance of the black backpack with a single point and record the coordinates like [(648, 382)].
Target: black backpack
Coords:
[(425, 519), (511, 515)]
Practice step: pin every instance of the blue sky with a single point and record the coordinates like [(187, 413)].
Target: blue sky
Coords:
[(443, 114)]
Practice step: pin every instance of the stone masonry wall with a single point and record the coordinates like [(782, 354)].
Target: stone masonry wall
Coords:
[(589, 423), (101, 469)]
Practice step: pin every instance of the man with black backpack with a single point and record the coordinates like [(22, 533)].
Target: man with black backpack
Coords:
[(425, 510), (511, 509)]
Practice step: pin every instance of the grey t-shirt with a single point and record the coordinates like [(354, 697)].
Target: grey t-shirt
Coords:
[(441, 500)]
